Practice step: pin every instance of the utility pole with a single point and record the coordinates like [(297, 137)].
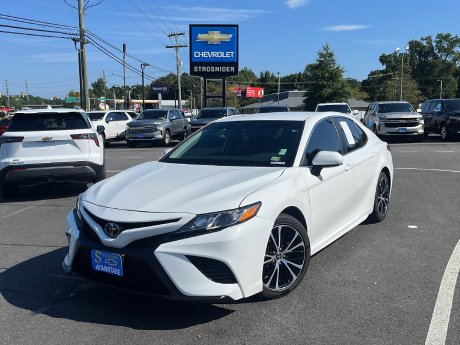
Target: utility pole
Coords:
[(125, 104), (178, 62), (84, 68), (105, 82), (279, 84), (7, 94), (27, 90), (143, 65), (440, 92), (114, 99)]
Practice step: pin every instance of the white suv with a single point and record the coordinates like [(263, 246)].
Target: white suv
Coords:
[(47, 145), (114, 121)]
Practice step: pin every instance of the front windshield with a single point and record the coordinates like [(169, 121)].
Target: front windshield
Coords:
[(272, 109), (396, 108), (341, 108), (96, 115), (241, 143), (215, 113), (153, 115), (452, 105)]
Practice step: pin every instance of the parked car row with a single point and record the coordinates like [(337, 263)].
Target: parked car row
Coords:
[(442, 116)]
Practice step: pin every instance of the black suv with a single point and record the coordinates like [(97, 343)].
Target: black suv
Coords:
[(157, 125), (442, 116), (208, 115)]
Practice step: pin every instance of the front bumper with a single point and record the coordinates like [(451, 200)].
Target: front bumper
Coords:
[(50, 172), (400, 130), (213, 266), (144, 136)]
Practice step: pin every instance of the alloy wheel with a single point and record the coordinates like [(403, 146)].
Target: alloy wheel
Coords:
[(284, 258), (383, 196)]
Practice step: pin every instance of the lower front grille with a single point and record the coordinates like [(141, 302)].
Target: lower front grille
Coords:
[(138, 275), (214, 270), (401, 124)]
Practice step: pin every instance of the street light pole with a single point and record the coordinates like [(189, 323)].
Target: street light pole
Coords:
[(279, 80), (402, 71), (440, 92), (143, 65)]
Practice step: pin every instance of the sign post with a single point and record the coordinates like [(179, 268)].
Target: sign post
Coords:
[(214, 54)]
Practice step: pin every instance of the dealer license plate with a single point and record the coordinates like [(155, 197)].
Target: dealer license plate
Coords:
[(106, 262), (402, 130)]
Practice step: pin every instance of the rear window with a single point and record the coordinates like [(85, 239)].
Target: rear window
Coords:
[(452, 105), (47, 122), (341, 108), (153, 115), (212, 113), (96, 115)]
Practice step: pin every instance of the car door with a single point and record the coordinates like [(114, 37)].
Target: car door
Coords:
[(173, 119), (427, 115), (122, 120), (331, 193), (110, 125), (436, 116), (355, 147)]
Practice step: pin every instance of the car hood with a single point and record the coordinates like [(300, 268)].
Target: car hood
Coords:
[(169, 187), (142, 123), (402, 115), (203, 122)]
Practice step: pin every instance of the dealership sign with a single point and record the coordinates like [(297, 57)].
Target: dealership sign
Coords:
[(254, 92), (213, 50), (159, 89)]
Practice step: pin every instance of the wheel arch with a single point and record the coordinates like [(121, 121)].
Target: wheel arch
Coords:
[(297, 214)]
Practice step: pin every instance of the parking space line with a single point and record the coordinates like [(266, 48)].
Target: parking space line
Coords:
[(134, 157), (443, 151), (422, 169), (441, 314), (113, 171), (24, 209)]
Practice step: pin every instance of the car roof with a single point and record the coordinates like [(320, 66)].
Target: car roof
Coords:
[(57, 110), (342, 103), (282, 116), (390, 102)]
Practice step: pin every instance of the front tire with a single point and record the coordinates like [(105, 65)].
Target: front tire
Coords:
[(382, 198), (287, 256), (444, 133), (166, 138), (131, 143)]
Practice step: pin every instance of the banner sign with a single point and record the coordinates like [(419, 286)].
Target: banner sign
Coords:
[(213, 50), (159, 89), (254, 92)]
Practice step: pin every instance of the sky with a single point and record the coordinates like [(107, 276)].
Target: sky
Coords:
[(275, 35)]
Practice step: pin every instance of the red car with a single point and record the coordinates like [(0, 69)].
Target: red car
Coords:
[(4, 123)]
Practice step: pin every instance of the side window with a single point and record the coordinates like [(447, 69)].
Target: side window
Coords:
[(110, 117), (438, 106), (172, 115), (121, 117), (352, 136), (323, 138)]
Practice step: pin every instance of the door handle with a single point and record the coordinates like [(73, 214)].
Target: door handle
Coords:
[(348, 167)]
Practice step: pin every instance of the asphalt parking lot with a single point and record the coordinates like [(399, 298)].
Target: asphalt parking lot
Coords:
[(376, 285)]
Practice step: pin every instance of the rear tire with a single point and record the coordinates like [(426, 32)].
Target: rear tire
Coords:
[(9, 190), (101, 174), (382, 199), (287, 256), (106, 143)]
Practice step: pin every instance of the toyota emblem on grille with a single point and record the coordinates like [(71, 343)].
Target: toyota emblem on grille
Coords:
[(112, 230)]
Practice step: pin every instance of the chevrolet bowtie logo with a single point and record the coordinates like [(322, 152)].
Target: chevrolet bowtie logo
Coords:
[(214, 37), (47, 139)]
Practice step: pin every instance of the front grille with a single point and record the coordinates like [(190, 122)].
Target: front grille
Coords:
[(142, 129), (214, 270), (401, 124), (127, 226), (138, 275), (89, 233)]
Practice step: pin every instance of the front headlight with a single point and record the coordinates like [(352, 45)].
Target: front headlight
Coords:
[(220, 220), (382, 117), (78, 206)]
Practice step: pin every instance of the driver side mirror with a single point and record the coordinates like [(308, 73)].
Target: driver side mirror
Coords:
[(100, 129), (355, 112), (325, 159)]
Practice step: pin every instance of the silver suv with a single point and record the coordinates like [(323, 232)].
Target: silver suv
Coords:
[(394, 119)]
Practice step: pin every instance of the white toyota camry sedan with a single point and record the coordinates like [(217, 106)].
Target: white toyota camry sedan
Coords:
[(236, 209)]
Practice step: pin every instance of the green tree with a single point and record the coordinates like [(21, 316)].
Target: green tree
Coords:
[(99, 89), (326, 77)]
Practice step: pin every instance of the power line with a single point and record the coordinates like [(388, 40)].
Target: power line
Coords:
[(37, 35), (33, 29), (36, 22)]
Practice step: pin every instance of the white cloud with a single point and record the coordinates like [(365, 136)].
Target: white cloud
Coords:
[(297, 3), (338, 28)]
